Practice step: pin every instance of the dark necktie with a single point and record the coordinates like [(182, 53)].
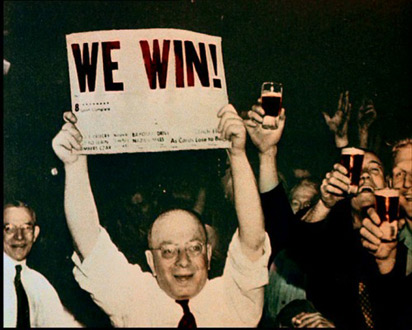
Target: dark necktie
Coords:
[(23, 313), (188, 320), (365, 304)]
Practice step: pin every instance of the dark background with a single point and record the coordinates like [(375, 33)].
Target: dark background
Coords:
[(317, 49)]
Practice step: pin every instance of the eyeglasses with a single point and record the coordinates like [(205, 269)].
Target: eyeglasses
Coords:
[(399, 177), (169, 251), (12, 229)]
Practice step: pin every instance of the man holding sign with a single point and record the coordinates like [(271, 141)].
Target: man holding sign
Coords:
[(177, 292)]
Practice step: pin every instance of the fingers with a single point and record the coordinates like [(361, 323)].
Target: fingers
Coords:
[(231, 126), (72, 130), (371, 232), (68, 141), (69, 117), (327, 117), (340, 101), (370, 110), (230, 123), (336, 182), (346, 102), (281, 120), (369, 246), (258, 109), (309, 320), (256, 117), (342, 169), (226, 108), (228, 111), (250, 123), (373, 215), (69, 137), (282, 115)]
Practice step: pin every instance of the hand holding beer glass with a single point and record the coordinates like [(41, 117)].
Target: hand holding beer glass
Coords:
[(352, 160), (271, 98), (387, 208)]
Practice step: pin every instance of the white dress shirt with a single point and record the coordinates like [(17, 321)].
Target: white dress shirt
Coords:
[(46, 309), (133, 298)]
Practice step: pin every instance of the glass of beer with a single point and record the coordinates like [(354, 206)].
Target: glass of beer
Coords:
[(352, 159), (271, 97), (387, 207)]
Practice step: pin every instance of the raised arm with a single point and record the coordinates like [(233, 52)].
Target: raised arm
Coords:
[(334, 188), (246, 195), (338, 124), (366, 116), (79, 205), (266, 141)]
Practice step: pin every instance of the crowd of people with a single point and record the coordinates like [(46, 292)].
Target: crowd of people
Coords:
[(259, 254)]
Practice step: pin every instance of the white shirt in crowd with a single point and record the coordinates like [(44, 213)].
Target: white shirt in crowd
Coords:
[(133, 298), (46, 309)]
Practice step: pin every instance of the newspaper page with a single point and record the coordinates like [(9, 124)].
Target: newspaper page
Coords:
[(146, 90)]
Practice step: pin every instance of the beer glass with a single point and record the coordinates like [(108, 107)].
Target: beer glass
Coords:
[(271, 97), (352, 159), (387, 207)]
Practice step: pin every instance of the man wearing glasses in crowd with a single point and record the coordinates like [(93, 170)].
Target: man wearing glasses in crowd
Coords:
[(177, 292), (29, 299)]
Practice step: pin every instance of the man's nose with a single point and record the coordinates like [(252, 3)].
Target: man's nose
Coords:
[(365, 175), (183, 259), (19, 234), (408, 180)]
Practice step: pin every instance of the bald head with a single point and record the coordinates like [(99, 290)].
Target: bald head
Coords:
[(176, 222)]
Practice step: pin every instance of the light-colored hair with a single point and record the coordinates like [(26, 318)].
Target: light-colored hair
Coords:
[(18, 203), (305, 182), (398, 145)]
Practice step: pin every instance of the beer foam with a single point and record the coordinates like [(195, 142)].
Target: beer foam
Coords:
[(352, 151), (271, 94), (387, 192)]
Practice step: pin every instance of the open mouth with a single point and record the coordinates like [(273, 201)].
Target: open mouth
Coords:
[(366, 189), (18, 246), (408, 197), (183, 278)]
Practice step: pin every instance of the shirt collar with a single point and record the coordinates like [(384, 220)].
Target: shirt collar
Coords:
[(11, 263), (406, 236)]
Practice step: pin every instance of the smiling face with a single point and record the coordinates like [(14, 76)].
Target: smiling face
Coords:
[(19, 233), (402, 178), (184, 275)]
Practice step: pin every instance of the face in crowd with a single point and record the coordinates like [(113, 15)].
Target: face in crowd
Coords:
[(19, 232), (179, 254), (402, 178), (303, 195), (372, 178)]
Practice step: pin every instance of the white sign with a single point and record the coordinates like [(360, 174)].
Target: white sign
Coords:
[(146, 90)]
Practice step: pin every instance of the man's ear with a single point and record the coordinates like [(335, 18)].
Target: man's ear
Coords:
[(36, 232), (150, 261), (209, 255)]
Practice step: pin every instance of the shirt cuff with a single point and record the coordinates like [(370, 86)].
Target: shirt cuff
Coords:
[(249, 274), (97, 259)]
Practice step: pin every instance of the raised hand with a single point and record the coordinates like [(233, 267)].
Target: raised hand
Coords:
[(231, 128), (366, 115), (67, 140), (338, 124), (264, 139), (335, 186), (371, 238)]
